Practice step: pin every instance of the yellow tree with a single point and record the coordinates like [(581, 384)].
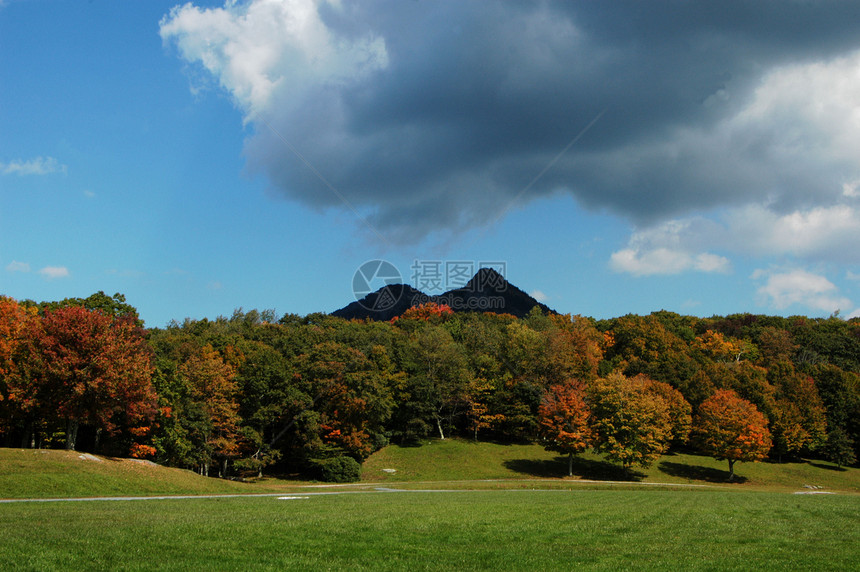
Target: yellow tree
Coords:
[(632, 424), (680, 412), (215, 410), (732, 429), (477, 395)]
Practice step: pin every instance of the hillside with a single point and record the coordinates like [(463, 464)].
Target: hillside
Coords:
[(65, 474), (42, 473), (457, 459)]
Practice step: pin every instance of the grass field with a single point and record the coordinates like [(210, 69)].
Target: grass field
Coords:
[(449, 505), (470, 530)]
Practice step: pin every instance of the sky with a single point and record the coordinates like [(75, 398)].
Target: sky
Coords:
[(610, 157)]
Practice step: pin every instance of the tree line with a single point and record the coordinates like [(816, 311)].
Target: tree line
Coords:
[(316, 395)]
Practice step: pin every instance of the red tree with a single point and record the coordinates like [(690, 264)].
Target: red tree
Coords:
[(563, 421), (94, 370), (429, 311)]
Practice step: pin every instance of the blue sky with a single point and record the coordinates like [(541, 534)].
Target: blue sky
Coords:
[(203, 157)]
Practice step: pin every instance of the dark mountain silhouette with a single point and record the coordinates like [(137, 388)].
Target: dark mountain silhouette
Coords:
[(382, 305), (487, 291)]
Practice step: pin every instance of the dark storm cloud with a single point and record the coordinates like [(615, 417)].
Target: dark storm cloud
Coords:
[(436, 115)]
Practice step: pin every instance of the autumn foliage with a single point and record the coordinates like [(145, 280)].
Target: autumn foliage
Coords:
[(564, 420), (72, 367), (632, 423), (251, 392), (426, 312), (730, 428)]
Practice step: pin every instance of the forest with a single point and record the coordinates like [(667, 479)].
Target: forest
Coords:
[(313, 396)]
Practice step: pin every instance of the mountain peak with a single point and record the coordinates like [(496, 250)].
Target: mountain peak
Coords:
[(486, 291)]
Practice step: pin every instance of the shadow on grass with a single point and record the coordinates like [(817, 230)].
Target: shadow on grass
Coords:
[(582, 468), (828, 467), (698, 473)]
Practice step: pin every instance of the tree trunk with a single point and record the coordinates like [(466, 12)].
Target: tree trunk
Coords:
[(97, 440), (29, 437), (439, 426), (71, 434), (731, 469), (570, 464)]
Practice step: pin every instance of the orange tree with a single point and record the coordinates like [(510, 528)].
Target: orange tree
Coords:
[(17, 402), (732, 429), (563, 421)]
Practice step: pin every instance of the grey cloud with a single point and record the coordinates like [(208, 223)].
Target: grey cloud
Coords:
[(477, 98)]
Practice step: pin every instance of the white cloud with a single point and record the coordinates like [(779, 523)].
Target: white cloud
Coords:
[(820, 232), (784, 289), (539, 296), (852, 189), (264, 48), (37, 166), (16, 266), (667, 249), (53, 272)]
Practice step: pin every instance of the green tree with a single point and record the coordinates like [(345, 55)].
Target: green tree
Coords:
[(352, 396), (438, 379), (840, 448)]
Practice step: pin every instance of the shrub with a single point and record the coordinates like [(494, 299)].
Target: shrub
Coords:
[(337, 469)]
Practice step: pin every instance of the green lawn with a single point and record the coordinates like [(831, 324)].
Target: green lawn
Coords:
[(455, 459), (542, 520), (471, 530)]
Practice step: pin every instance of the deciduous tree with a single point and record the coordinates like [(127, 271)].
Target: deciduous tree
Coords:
[(732, 429), (631, 424), (95, 370), (213, 407), (564, 421)]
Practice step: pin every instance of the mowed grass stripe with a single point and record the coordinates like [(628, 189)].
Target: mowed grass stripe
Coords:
[(646, 529)]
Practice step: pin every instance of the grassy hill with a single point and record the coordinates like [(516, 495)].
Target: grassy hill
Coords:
[(27, 473), (454, 460)]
